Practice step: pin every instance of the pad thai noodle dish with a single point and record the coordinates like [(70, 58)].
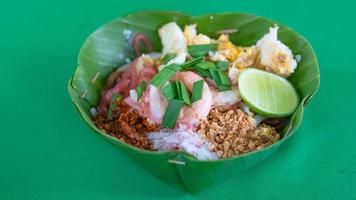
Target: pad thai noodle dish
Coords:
[(203, 95)]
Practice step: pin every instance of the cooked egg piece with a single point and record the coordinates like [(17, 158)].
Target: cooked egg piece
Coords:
[(201, 39), (173, 41), (216, 56), (193, 38), (190, 32), (246, 57), (227, 48), (274, 56), (172, 38)]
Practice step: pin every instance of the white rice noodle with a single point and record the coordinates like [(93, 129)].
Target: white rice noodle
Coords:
[(93, 111), (133, 95), (258, 119), (247, 110), (187, 141)]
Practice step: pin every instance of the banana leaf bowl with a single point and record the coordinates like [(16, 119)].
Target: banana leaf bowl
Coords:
[(110, 47)]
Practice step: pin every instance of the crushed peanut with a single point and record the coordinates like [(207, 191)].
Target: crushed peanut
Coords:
[(234, 133)]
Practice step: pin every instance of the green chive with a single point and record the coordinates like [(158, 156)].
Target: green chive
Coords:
[(201, 50), (178, 89), (172, 114), (164, 75), (168, 57), (214, 75), (174, 67), (183, 93), (112, 106), (223, 78), (197, 91), (222, 64), (140, 88), (200, 68), (205, 65), (224, 87), (202, 72), (170, 91), (191, 62), (220, 79)]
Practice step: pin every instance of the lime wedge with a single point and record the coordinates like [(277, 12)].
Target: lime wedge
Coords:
[(267, 94)]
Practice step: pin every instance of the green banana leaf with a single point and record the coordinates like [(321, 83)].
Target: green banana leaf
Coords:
[(110, 46)]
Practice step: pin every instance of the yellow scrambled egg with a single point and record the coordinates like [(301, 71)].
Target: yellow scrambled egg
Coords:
[(192, 38), (227, 48)]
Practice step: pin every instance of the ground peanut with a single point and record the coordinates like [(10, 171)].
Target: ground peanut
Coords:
[(233, 133)]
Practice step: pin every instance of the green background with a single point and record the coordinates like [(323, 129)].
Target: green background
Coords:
[(47, 152)]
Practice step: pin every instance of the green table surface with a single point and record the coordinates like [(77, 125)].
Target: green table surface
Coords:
[(47, 152)]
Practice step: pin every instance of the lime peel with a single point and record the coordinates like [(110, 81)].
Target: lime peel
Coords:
[(267, 94)]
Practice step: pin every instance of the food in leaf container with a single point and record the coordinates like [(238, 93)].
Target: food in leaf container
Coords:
[(189, 97)]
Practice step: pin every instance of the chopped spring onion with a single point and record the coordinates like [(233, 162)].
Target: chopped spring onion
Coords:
[(222, 64), (172, 113), (192, 62), (201, 50), (140, 88), (164, 75), (197, 91), (201, 72), (168, 57), (183, 94), (170, 91), (220, 79), (224, 87), (205, 65), (202, 68), (177, 90), (114, 98), (214, 74), (223, 78)]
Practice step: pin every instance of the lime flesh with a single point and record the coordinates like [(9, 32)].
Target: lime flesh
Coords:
[(267, 94)]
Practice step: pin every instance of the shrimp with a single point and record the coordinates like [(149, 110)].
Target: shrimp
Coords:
[(226, 100), (152, 104), (190, 116)]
